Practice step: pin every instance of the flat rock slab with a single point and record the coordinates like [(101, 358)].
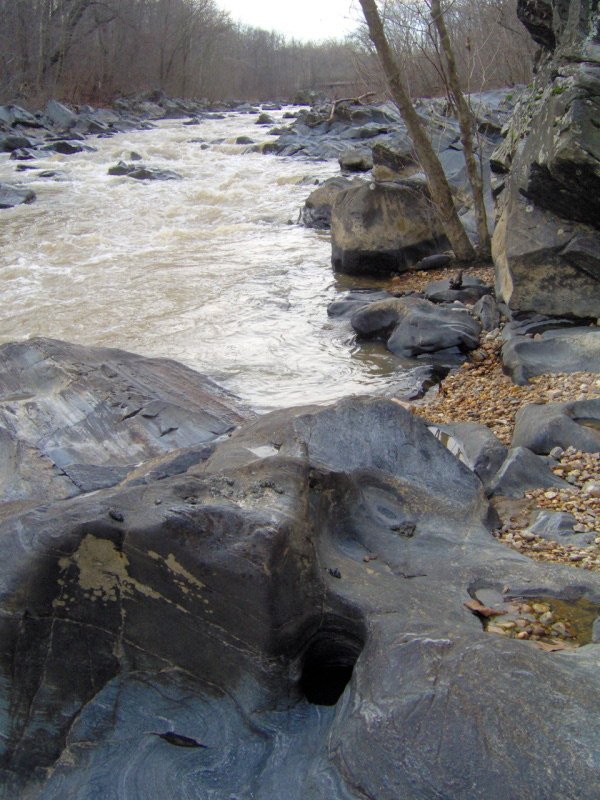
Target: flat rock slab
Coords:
[(78, 418), (286, 619), (565, 350)]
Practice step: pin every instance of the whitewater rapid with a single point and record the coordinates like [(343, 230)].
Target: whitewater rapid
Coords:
[(211, 270)]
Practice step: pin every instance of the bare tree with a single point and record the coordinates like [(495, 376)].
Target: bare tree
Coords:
[(465, 121), (441, 193)]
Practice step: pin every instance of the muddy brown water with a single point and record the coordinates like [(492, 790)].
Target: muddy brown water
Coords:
[(210, 270)]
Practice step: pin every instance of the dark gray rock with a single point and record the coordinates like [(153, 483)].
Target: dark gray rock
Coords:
[(487, 311), (316, 212), (359, 298), (142, 173), (574, 350), (59, 116), (478, 447), (438, 261), (546, 244), (541, 428), (14, 195), (557, 526), (523, 470), (355, 161), (64, 146), (244, 140), (234, 635), (12, 142), (73, 417), (411, 326), (265, 119), (380, 229), (469, 292)]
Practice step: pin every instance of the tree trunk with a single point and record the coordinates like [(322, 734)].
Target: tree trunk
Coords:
[(438, 185), (466, 132)]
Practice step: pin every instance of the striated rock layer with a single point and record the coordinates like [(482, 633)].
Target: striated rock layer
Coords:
[(282, 619), (546, 245)]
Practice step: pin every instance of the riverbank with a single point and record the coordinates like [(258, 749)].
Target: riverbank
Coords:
[(480, 392)]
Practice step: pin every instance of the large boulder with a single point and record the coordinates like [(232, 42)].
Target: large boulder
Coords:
[(546, 245), (381, 229), (288, 616), (60, 117), (78, 418), (316, 212)]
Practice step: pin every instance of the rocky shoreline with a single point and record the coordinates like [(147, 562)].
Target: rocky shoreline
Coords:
[(378, 597)]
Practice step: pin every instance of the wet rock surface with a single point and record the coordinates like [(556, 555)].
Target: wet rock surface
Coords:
[(289, 616), (11, 196), (413, 327)]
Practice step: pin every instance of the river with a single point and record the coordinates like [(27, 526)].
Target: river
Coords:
[(211, 270)]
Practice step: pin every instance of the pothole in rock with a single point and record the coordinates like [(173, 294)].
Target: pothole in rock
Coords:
[(549, 623), (327, 665)]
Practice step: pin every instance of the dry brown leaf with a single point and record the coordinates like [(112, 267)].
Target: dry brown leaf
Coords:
[(551, 648), (478, 608)]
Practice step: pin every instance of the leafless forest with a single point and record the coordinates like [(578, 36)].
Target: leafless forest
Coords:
[(95, 50)]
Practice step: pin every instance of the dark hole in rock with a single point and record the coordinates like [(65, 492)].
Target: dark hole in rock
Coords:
[(328, 663)]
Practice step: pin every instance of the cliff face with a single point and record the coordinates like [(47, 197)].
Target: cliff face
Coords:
[(547, 241)]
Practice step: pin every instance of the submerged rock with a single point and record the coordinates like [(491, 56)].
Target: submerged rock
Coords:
[(14, 195), (142, 173)]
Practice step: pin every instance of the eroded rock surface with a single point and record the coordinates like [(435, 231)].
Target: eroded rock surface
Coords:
[(286, 619), (77, 418)]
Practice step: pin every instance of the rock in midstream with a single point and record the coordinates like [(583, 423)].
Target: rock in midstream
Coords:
[(285, 618)]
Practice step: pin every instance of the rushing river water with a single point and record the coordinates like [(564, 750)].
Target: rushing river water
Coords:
[(210, 270)]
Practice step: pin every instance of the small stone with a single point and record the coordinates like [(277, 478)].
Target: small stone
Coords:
[(592, 488), (556, 452), (522, 635), (547, 618)]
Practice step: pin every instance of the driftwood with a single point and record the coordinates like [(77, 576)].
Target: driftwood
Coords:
[(355, 100)]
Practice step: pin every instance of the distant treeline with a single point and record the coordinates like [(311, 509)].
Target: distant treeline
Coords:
[(94, 50)]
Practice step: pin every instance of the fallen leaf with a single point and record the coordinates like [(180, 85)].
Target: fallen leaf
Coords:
[(478, 608), (551, 648)]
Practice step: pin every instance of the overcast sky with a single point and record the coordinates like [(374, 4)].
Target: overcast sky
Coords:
[(303, 19)]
